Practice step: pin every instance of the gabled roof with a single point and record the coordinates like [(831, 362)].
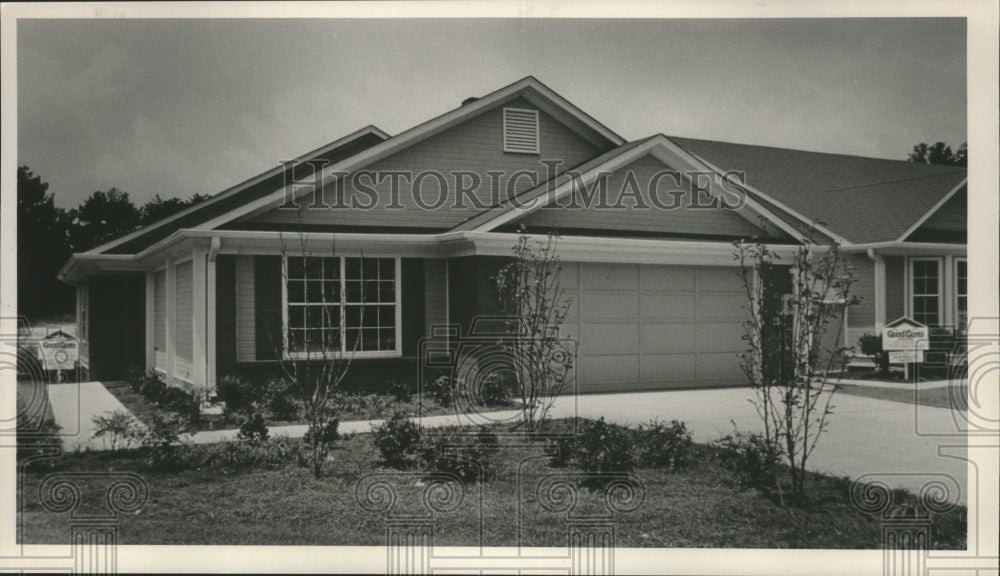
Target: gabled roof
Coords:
[(240, 194), (858, 199)]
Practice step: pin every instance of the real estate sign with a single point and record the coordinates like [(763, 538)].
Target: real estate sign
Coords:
[(59, 354), (905, 335)]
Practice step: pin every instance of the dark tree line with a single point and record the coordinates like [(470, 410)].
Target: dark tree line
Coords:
[(47, 235), (940, 153)]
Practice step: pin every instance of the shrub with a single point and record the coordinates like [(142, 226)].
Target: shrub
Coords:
[(136, 376), (366, 406), (560, 451), (490, 390), (242, 396), (602, 448), (329, 434), (273, 453), (180, 401), (661, 445), (121, 429), (398, 441), (453, 453), (400, 391), (871, 346), (442, 389), (161, 439), (751, 459), (281, 400), (152, 388), (253, 430)]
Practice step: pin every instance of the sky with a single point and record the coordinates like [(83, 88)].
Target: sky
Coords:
[(178, 107)]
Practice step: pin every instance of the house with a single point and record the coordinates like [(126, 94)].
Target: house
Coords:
[(402, 234)]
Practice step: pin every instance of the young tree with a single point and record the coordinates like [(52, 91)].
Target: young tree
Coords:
[(794, 360), (534, 303), (313, 360)]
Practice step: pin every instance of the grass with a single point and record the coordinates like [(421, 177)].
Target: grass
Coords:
[(697, 507), (936, 397)]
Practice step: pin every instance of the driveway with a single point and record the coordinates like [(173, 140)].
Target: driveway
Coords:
[(864, 436)]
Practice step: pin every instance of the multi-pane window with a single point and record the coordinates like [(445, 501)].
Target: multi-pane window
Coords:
[(925, 291), (341, 304), (961, 295)]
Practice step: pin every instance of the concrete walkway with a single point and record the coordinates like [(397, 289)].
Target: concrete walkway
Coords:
[(74, 406)]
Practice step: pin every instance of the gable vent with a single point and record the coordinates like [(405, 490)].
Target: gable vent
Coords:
[(520, 130)]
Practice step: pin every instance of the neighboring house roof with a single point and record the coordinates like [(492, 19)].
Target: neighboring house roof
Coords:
[(858, 199)]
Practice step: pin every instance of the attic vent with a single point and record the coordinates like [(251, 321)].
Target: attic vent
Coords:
[(520, 131)]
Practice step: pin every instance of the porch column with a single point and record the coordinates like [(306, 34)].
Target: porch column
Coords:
[(171, 320), (879, 281), (210, 314), (150, 321), (199, 305)]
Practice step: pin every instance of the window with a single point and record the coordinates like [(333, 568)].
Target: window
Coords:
[(925, 291), (336, 305), (520, 131), (961, 296)]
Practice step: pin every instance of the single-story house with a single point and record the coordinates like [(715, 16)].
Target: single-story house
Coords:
[(402, 234)]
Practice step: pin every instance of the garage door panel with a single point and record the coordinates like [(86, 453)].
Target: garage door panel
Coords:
[(668, 337), (609, 277), (720, 366), (612, 338), (667, 305), (609, 304), (716, 306), (718, 279), (672, 278), (599, 369), (669, 367), (720, 337)]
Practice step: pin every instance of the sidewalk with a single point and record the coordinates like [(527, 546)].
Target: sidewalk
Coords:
[(74, 406)]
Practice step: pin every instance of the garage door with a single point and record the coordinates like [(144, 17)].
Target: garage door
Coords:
[(642, 327)]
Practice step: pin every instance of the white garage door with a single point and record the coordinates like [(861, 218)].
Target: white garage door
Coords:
[(643, 327)]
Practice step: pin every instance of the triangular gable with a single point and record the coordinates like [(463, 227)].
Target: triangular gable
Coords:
[(947, 221), (528, 89), (632, 175)]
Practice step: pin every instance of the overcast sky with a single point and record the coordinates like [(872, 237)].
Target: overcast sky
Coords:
[(175, 107)]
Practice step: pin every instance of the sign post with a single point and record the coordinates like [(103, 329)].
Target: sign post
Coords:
[(905, 340), (59, 354)]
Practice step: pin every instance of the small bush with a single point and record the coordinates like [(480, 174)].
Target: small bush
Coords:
[(400, 391), (329, 434), (442, 389), (398, 440), (136, 376), (753, 462), (364, 406), (242, 396), (871, 346), (602, 448), (180, 401), (153, 389), (253, 430), (121, 430), (471, 460), (666, 446), (560, 451), (162, 441), (272, 454), (281, 401), (490, 390)]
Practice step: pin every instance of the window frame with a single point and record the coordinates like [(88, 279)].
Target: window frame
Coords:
[(396, 352), (939, 294), (959, 329)]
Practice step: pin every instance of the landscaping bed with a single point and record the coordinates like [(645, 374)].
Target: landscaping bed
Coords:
[(211, 497)]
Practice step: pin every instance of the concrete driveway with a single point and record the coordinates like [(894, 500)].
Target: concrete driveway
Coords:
[(864, 436)]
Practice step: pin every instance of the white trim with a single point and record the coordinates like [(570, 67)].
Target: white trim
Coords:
[(199, 320), (420, 132), (171, 311), (956, 262), (911, 313), (879, 279), (150, 320), (370, 129), (937, 206), (210, 328)]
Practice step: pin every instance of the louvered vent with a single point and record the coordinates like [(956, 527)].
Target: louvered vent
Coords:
[(520, 130)]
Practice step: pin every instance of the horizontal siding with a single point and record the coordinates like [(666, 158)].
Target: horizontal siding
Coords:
[(184, 370), (160, 310), (246, 328), (184, 311), (951, 217), (476, 145), (629, 216), (435, 293)]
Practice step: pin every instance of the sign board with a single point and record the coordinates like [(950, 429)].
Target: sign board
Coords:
[(905, 334), (906, 356), (59, 354)]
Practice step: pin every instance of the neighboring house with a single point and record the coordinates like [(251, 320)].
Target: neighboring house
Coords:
[(221, 288)]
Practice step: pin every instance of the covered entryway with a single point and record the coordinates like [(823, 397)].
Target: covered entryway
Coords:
[(655, 327)]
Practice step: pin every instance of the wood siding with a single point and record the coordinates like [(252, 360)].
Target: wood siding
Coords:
[(246, 325), (435, 294), (184, 313), (475, 146), (627, 215)]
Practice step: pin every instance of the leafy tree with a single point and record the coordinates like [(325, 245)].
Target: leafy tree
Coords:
[(157, 209), (102, 217), (939, 153), (42, 249)]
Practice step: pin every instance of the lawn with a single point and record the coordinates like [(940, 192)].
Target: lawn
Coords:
[(695, 507), (949, 398)]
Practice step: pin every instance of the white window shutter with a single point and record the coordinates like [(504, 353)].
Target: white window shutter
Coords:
[(520, 131)]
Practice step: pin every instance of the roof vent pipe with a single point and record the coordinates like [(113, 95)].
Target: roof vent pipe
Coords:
[(470, 100)]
